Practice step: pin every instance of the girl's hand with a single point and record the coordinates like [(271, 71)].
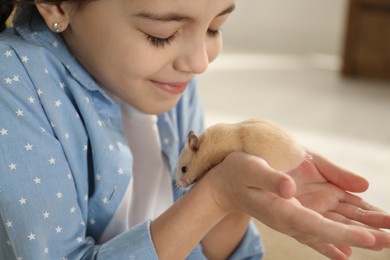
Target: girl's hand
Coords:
[(246, 183), (325, 188)]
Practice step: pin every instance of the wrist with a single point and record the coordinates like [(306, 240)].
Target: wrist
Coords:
[(211, 184), (186, 222)]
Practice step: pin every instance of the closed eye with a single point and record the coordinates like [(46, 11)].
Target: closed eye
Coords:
[(213, 33), (160, 42)]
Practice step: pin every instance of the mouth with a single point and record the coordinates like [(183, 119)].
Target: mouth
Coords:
[(182, 183), (174, 88)]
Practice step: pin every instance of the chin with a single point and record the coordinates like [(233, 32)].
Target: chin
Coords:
[(156, 109)]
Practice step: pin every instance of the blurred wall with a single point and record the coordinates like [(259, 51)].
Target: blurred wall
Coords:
[(287, 26)]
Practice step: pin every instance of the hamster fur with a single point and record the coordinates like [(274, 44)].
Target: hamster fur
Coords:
[(257, 137)]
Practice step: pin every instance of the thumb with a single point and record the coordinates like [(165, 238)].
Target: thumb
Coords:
[(267, 178)]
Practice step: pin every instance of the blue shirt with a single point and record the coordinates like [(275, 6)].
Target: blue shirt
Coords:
[(65, 163)]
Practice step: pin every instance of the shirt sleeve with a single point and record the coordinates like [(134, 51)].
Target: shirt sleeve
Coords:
[(251, 247), (44, 208)]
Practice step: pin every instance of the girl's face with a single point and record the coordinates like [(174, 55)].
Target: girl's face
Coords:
[(146, 51)]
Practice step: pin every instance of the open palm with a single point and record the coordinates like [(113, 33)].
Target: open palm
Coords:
[(327, 189)]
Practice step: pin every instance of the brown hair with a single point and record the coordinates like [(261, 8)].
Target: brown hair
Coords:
[(6, 8)]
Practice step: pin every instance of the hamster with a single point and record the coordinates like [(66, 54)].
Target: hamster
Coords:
[(257, 137)]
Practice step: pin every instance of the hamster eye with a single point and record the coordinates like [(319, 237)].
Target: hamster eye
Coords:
[(184, 169)]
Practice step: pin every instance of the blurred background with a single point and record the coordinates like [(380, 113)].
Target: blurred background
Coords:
[(320, 69)]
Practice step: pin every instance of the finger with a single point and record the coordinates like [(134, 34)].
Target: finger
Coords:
[(339, 233), (382, 239), (359, 202), (377, 219), (297, 221), (335, 216), (334, 252), (345, 249), (262, 176), (342, 178)]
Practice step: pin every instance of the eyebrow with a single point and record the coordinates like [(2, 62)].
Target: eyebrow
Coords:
[(174, 17)]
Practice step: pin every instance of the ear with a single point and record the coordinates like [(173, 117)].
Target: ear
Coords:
[(193, 141), (56, 15)]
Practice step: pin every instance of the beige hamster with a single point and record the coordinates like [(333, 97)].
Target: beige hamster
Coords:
[(257, 137)]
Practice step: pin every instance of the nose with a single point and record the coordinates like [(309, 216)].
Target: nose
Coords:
[(193, 60)]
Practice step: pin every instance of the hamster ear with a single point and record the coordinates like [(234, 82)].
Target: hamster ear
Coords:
[(193, 141)]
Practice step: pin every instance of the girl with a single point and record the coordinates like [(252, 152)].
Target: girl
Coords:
[(97, 98)]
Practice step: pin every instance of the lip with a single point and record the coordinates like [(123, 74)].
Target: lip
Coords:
[(174, 88)]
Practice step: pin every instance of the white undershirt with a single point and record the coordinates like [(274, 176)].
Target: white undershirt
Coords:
[(150, 190)]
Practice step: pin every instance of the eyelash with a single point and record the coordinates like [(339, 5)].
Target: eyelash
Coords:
[(162, 42)]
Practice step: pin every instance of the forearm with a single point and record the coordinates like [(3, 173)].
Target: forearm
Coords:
[(178, 230), (224, 237)]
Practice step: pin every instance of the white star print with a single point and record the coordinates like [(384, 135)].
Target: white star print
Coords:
[(19, 258), (16, 78), (40, 92), (29, 147), (31, 236), (19, 112), (98, 177), (85, 147), (86, 99), (3, 131), (12, 166), (105, 200), (8, 80), (52, 160), (55, 44), (46, 71), (37, 180), (58, 229), (23, 201), (45, 215), (110, 147), (120, 171), (59, 195), (8, 224), (67, 135), (57, 103), (46, 250), (92, 221), (100, 123), (25, 59), (79, 239), (62, 85), (31, 100), (72, 210), (7, 54)]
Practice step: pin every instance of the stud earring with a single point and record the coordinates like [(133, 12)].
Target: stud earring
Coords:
[(56, 27)]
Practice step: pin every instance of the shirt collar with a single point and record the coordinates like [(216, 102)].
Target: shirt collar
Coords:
[(31, 27)]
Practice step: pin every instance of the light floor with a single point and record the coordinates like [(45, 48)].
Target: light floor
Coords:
[(345, 119)]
